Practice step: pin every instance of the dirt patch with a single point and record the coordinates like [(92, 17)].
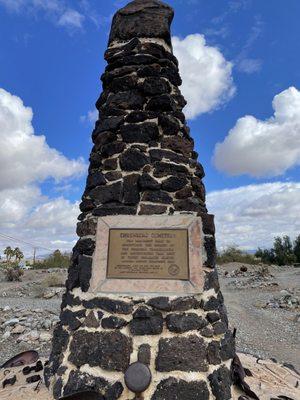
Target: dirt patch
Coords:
[(263, 331)]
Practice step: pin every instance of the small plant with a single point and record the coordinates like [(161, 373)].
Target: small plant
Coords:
[(13, 274), (54, 280)]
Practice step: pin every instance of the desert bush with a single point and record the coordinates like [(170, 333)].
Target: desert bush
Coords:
[(234, 254), (54, 280), (55, 260), (284, 252), (13, 274), (297, 248), (39, 265)]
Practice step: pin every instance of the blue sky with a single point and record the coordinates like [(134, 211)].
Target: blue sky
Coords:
[(51, 58)]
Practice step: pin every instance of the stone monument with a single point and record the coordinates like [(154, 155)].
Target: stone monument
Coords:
[(143, 316)]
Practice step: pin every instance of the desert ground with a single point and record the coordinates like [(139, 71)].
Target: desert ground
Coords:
[(263, 306)]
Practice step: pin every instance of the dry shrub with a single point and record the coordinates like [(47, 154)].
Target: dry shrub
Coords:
[(38, 291), (264, 271), (54, 280), (13, 274), (234, 254)]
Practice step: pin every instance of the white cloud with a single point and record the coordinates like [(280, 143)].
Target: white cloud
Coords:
[(243, 62), (57, 11), (206, 74), (15, 204), (249, 65), (264, 148), (45, 216), (12, 5), (25, 161), (251, 216), (91, 116), (71, 18), (24, 156), (28, 216)]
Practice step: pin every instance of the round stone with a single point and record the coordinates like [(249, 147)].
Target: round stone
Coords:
[(138, 377)]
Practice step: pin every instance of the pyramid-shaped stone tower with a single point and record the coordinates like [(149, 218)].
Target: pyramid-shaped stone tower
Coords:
[(142, 165)]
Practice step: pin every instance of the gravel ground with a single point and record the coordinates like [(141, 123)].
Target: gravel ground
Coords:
[(52, 305), (263, 332)]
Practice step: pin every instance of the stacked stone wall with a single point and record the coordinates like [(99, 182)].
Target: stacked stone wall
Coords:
[(185, 341), (142, 163)]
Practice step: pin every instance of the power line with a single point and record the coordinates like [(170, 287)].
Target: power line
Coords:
[(11, 238)]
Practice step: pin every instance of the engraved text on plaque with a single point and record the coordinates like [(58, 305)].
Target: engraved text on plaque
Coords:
[(148, 254)]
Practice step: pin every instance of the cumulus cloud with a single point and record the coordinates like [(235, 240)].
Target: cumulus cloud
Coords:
[(26, 160), (206, 74), (24, 156), (15, 204), (264, 148), (45, 223), (251, 216), (55, 10)]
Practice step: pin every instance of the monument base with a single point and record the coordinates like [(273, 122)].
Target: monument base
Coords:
[(187, 346)]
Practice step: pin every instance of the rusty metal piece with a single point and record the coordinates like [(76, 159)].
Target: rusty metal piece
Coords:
[(9, 381), (33, 379), (39, 366), (26, 370), (282, 398), (88, 395), (25, 358), (138, 377)]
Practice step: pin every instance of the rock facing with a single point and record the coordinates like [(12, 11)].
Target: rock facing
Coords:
[(142, 163)]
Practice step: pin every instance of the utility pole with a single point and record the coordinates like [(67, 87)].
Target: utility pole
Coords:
[(34, 251)]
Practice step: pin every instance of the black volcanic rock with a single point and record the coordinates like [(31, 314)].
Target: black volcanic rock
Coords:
[(129, 100), (153, 86), (133, 160), (164, 102), (139, 133), (131, 194), (142, 18), (174, 183), (109, 350), (108, 193), (146, 322), (170, 125), (172, 388), (146, 182), (181, 354), (157, 196)]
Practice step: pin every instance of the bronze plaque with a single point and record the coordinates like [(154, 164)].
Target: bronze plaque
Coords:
[(148, 254)]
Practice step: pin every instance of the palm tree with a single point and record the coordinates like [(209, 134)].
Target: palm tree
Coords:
[(18, 254), (9, 252)]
